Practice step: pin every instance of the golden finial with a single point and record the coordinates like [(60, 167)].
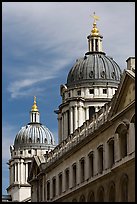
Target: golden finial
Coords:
[(95, 31), (34, 107), (96, 18)]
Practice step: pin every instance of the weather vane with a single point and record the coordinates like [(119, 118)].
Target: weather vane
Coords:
[(34, 99), (95, 17)]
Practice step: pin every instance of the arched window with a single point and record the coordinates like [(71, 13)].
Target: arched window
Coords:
[(111, 152), (100, 159), (74, 200), (54, 186), (48, 190), (74, 174), (91, 197), (82, 198), (124, 188), (82, 169), (122, 132), (111, 195), (100, 194), (91, 164)]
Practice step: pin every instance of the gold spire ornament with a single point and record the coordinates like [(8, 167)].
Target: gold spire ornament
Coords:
[(95, 30), (34, 107)]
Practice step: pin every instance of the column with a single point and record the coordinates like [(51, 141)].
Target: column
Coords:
[(62, 126), (76, 118), (26, 171), (70, 177), (22, 172), (95, 162), (87, 113), (106, 156), (18, 166), (131, 139), (63, 181), (71, 120), (86, 167), (15, 173), (66, 125), (80, 116), (59, 128), (116, 147)]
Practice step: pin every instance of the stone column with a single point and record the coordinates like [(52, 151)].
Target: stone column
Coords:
[(22, 172), (62, 126), (63, 181), (80, 116), (71, 120), (131, 139), (86, 167), (70, 177), (87, 113), (116, 147), (106, 156), (95, 162), (66, 125), (59, 128), (18, 166), (15, 173), (26, 171), (76, 118)]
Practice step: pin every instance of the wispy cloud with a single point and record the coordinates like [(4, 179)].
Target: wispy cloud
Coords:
[(8, 135)]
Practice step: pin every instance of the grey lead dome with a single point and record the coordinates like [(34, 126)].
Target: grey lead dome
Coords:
[(94, 67), (34, 135)]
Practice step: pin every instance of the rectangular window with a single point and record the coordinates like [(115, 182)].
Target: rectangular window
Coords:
[(67, 178), (60, 184), (91, 170), (91, 91), (82, 170), (100, 159), (74, 175), (54, 187), (79, 92), (104, 91), (48, 190)]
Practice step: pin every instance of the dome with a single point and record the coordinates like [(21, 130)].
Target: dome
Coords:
[(34, 135), (94, 67)]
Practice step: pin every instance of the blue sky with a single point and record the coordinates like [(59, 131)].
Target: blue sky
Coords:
[(40, 43)]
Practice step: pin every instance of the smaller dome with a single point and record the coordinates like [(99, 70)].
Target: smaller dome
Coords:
[(34, 135)]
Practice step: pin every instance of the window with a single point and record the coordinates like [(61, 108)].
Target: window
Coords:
[(48, 190), (104, 91), (67, 178), (91, 197), (91, 91), (29, 151), (124, 188), (100, 194), (54, 187), (69, 94), (30, 140), (91, 111), (91, 169), (79, 92), (82, 198), (112, 192), (100, 159), (111, 152), (82, 169), (74, 175), (29, 165), (60, 183)]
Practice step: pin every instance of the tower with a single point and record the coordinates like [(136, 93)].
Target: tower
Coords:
[(91, 82), (32, 139)]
